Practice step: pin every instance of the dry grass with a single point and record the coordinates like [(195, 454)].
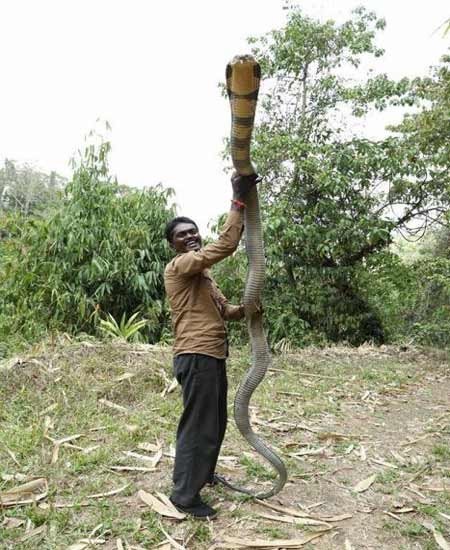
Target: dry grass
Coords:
[(337, 416)]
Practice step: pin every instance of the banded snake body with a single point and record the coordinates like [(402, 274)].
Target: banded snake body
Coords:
[(243, 75)]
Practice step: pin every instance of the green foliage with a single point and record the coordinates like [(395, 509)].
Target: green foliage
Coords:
[(127, 329), (428, 320), (411, 292), (101, 252), (26, 190), (332, 200)]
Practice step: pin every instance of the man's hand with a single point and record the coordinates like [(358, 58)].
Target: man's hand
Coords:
[(251, 309), (242, 184)]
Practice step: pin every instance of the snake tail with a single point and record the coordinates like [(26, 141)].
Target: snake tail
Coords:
[(243, 76)]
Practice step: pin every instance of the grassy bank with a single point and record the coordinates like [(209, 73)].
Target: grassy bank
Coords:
[(96, 422)]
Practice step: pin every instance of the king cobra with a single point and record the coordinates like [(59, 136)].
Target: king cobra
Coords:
[(243, 74)]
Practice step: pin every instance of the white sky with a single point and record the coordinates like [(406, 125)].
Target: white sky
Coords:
[(151, 68)]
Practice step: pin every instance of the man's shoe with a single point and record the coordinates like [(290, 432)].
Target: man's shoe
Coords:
[(199, 511)]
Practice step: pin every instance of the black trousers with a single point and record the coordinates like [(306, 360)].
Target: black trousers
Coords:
[(202, 425)]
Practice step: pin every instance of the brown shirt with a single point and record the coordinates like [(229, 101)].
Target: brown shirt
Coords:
[(197, 305)]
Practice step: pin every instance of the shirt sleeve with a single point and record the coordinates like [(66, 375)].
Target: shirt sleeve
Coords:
[(228, 311), (194, 262)]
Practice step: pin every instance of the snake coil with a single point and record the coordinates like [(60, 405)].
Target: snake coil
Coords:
[(243, 75)]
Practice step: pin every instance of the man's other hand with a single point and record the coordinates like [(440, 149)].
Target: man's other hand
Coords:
[(242, 184)]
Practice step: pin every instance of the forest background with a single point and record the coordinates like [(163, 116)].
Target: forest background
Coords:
[(356, 229)]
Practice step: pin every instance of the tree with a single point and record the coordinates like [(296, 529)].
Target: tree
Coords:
[(101, 252), (27, 191), (332, 198)]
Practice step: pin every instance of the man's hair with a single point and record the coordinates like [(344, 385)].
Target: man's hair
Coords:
[(173, 223)]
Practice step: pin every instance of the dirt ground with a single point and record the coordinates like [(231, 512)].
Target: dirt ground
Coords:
[(401, 434), (396, 431), (364, 433)]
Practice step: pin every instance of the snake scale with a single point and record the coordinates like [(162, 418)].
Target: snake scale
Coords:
[(243, 75)]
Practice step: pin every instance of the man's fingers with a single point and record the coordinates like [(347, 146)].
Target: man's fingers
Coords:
[(244, 183)]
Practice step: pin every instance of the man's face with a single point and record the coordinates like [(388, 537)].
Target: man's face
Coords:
[(185, 237)]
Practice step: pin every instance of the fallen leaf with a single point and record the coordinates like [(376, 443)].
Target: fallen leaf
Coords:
[(156, 458), (12, 523), (171, 452), (83, 544), (109, 493), (159, 507), (112, 405), (170, 388), (335, 436), (383, 463), (341, 517), (294, 520), (418, 439), (398, 518), (33, 533), (398, 457), (422, 498), (227, 458), (166, 500), (88, 450), (131, 469), (362, 453), (138, 456), (125, 376), (66, 439), (258, 543), (311, 506), (13, 456), (284, 509), (55, 454), (435, 489), (25, 494), (440, 541), (364, 484), (149, 447), (131, 428), (173, 542), (306, 452), (307, 428), (153, 460)]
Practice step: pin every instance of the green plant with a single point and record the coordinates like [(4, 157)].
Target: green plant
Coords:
[(256, 470), (127, 329), (329, 195), (101, 252)]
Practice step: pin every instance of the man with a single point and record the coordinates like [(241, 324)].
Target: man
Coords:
[(198, 312)]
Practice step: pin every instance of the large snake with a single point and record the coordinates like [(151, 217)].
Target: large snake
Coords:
[(243, 75)]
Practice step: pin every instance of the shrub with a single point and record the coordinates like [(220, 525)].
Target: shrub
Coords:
[(101, 252)]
